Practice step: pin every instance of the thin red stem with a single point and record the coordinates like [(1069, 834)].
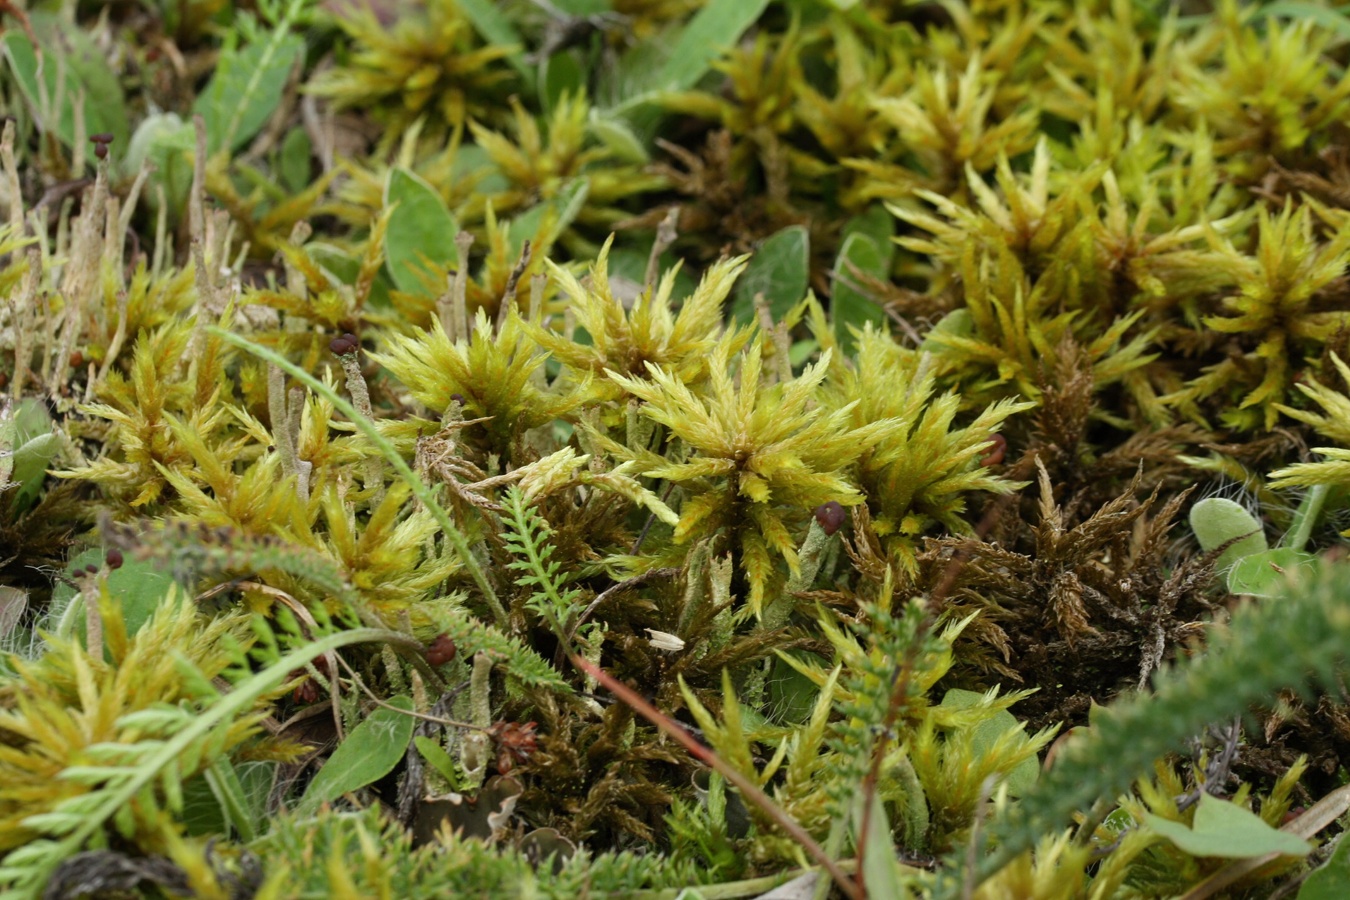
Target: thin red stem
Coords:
[(749, 790)]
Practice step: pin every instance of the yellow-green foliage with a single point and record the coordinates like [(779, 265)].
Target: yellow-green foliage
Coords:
[(143, 407), (63, 711), (415, 64), (625, 338), (811, 291), (498, 374), (755, 457), (916, 475), (538, 165), (1271, 92), (1334, 423), (1279, 307)]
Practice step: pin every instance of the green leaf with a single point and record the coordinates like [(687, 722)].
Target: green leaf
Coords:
[(957, 323), (619, 138), (559, 75), (987, 733), (1216, 521), (369, 753), (139, 587), (851, 306), (875, 222), (584, 7), (1118, 820), (86, 71), (1297, 10), (542, 224), (881, 870), (1263, 574), (336, 262), (1224, 829), (239, 807), (778, 270), (713, 30), (167, 141), (800, 352), (439, 760), (294, 160), (246, 89), (421, 231), (1332, 880), (493, 24), (201, 814), (792, 694), (28, 444)]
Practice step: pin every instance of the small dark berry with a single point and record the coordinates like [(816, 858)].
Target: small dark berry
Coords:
[(103, 137), (114, 558), (441, 651), (458, 398), (339, 346), (831, 516), (101, 151), (76, 359), (351, 339), (91, 569)]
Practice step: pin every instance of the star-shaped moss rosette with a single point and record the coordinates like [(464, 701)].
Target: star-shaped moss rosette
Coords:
[(1285, 309), (429, 61), (755, 458), (919, 473), (625, 340), (494, 373)]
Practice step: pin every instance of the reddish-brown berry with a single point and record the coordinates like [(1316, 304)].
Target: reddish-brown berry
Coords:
[(114, 558), (306, 692), (997, 447), (830, 516), (441, 651), (77, 360)]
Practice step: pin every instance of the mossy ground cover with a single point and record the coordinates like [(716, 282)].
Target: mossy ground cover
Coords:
[(655, 448)]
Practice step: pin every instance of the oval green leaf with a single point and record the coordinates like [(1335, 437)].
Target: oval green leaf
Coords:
[(985, 734), (1226, 830), (1331, 881), (1262, 574), (421, 231), (1216, 521), (851, 306), (369, 753), (778, 270)]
